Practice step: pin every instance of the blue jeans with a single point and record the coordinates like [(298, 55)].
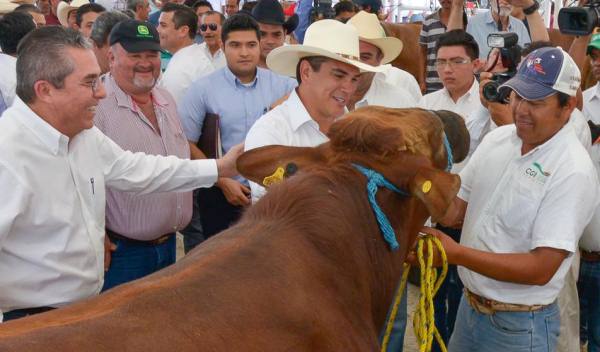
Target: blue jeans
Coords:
[(396, 341), (505, 331), (131, 261), (193, 234), (445, 303), (588, 286)]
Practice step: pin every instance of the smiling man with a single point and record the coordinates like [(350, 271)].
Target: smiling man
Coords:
[(327, 69), (60, 176), (141, 117), (526, 195), (239, 93)]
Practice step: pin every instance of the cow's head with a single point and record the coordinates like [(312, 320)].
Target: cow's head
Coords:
[(405, 145)]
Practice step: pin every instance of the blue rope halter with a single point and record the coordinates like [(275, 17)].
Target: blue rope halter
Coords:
[(376, 180)]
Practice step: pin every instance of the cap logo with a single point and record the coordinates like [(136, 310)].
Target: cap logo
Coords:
[(143, 31), (536, 65)]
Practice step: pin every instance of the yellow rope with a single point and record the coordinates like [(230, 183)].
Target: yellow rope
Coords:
[(423, 321)]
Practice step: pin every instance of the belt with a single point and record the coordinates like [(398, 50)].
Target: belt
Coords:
[(590, 256), (489, 306), (162, 239)]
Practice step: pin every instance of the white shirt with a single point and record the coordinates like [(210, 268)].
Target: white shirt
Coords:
[(382, 93), (517, 203), (187, 65), (590, 241), (401, 79), (287, 124), (52, 213), (218, 60), (465, 106), (8, 78)]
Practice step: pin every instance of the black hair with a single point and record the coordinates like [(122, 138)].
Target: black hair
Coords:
[(459, 37), (199, 3), (27, 8), (13, 27), (534, 46), (344, 6), (315, 63), (83, 9), (563, 99), (183, 16), (239, 22)]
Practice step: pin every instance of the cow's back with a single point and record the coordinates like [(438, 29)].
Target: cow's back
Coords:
[(410, 59)]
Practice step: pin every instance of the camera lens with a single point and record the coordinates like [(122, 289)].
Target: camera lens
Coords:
[(490, 91)]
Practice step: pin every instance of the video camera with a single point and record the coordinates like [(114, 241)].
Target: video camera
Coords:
[(322, 10), (579, 20), (510, 54)]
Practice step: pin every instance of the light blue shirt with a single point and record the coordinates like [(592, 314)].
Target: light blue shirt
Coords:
[(482, 24), (303, 8), (238, 105)]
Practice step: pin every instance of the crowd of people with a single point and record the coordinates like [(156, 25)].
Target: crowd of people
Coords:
[(121, 124)]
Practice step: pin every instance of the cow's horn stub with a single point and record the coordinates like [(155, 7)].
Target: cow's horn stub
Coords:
[(457, 133)]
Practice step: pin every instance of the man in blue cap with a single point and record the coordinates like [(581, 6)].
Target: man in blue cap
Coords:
[(526, 195)]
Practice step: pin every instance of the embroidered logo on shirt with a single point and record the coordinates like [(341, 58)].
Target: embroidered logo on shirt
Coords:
[(537, 173)]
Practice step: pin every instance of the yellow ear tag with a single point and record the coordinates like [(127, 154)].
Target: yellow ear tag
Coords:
[(276, 177), (426, 187)]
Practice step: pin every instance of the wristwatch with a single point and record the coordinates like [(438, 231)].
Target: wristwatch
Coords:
[(531, 9)]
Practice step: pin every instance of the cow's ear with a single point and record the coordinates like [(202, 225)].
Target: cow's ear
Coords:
[(367, 130), (271, 164), (436, 189)]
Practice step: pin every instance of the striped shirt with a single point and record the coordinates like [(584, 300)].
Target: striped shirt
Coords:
[(430, 32), (144, 217)]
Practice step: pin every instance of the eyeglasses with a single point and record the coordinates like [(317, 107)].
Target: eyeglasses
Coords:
[(94, 85), (452, 63), (212, 26)]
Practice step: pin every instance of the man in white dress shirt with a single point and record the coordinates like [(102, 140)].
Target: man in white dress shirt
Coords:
[(52, 245), (327, 68), (212, 23), (177, 27)]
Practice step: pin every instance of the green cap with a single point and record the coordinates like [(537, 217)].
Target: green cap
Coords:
[(594, 43)]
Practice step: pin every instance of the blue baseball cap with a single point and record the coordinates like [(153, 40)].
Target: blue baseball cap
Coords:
[(544, 72)]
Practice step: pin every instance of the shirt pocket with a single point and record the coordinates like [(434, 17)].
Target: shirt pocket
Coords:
[(515, 213)]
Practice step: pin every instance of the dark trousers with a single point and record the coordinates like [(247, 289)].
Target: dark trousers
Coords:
[(193, 234), (447, 299), (216, 214), (22, 313)]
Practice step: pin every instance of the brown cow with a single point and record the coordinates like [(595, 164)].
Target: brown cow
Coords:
[(410, 59), (305, 269)]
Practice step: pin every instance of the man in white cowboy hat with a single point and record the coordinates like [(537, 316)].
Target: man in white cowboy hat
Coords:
[(273, 27), (67, 13), (377, 49), (327, 67)]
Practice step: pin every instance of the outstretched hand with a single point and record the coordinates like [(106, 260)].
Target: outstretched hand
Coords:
[(226, 165)]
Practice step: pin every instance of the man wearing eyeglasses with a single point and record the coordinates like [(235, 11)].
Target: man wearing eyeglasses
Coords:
[(456, 63), (141, 117), (211, 32)]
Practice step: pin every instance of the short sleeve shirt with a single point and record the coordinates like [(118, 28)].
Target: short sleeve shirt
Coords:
[(517, 203), (432, 29)]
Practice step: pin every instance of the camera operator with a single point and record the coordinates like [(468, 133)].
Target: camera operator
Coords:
[(498, 19)]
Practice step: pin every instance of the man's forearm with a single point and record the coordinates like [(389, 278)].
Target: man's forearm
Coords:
[(533, 268), (537, 29)]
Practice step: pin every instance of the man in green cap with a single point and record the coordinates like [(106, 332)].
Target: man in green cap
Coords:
[(588, 284)]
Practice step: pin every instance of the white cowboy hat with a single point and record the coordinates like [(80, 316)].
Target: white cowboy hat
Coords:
[(63, 9), (7, 6), (370, 31), (329, 38)]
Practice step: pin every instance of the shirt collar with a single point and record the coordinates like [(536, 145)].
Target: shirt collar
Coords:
[(124, 99), (489, 19), (56, 142), (473, 91), (557, 138), (231, 78), (596, 92), (297, 111)]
